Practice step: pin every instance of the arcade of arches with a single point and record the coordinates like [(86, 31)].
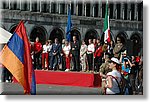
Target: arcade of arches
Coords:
[(134, 44)]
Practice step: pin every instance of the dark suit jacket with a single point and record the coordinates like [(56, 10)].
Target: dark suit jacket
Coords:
[(76, 47), (55, 49)]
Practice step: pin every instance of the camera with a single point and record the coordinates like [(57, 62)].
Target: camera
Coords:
[(126, 59)]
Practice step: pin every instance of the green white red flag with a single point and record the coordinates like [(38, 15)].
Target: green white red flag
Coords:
[(106, 26)]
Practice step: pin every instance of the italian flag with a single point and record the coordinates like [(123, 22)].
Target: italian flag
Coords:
[(106, 26)]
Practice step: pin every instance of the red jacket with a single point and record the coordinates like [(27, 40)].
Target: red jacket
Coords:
[(37, 46), (98, 52)]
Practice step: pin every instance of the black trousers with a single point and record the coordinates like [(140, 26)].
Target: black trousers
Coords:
[(75, 59), (90, 61), (37, 61), (97, 63)]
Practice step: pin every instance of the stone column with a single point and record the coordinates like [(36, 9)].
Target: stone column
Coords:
[(100, 9), (91, 9), (57, 7), (20, 4), (74, 5), (136, 11), (50, 6), (122, 11), (83, 8), (129, 11), (9, 4), (77, 7), (41, 5), (30, 5), (68, 4)]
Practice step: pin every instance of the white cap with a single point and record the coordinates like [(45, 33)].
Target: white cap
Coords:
[(115, 60)]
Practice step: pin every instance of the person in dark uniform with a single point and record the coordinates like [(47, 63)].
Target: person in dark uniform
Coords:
[(55, 54), (75, 48)]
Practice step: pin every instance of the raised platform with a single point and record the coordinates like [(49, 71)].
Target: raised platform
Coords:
[(68, 78)]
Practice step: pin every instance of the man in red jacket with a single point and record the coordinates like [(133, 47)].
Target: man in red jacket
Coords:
[(37, 52)]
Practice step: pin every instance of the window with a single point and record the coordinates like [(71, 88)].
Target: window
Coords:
[(53, 7), (111, 12), (125, 11), (34, 6), (88, 9), (80, 9), (132, 11), (62, 8), (45, 7), (25, 6), (72, 9), (14, 5), (5, 5), (103, 10), (96, 10), (140, 10)]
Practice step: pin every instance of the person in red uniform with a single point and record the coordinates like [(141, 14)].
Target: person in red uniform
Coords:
[(37, 52), (98, 55)]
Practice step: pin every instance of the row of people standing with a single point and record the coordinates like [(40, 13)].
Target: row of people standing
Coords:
[(52, 54), (82, 57)]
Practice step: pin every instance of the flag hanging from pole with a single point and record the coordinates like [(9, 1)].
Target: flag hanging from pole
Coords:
[(106, 26), (69, 24), (16, 57)]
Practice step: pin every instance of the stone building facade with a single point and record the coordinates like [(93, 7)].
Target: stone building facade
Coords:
[(47, 19)]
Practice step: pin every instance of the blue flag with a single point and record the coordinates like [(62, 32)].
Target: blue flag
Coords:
[(69, 24)]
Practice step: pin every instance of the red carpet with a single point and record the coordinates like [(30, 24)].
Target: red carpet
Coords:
[(68, 78)]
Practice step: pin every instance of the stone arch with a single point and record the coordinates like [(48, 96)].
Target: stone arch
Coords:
[(56, 33), (38, 31), (75, 32), (12, 28), (137, 43), (90, 34), (123, 36)]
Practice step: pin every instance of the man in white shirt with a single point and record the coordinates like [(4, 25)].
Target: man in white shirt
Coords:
[(90, 52)]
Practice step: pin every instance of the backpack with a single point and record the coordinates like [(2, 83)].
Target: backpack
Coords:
[(124, 86)]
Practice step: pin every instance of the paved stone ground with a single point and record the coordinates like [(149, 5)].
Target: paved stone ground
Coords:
[(16, 89)]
